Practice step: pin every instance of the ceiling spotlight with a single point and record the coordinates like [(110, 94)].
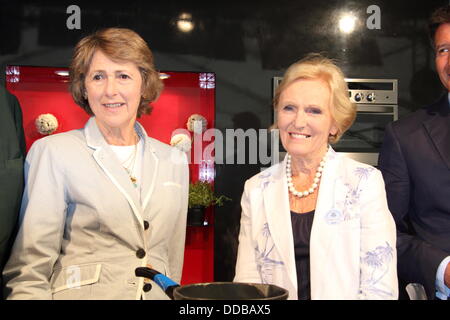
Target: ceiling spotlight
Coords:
[(347, 23), (185, 23)]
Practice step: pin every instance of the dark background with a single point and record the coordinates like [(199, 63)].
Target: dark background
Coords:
[(246, 43)]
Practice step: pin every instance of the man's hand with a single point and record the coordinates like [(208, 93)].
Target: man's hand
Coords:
[(447, 276)]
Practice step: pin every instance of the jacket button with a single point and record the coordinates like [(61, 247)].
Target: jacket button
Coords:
[(146, 224), (140, 253), (147, 287)]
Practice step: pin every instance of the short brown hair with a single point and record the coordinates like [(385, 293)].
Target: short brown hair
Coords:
[(439, 16), (316, 66), (119, 44)]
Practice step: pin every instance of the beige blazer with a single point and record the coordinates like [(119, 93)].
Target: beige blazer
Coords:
[(352, 244), (82, 226)]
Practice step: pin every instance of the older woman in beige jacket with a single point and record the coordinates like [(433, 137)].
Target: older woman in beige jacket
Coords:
[(101, 201)]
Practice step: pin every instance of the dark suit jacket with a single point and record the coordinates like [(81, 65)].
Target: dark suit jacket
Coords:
[(415, 162), (12, 151)]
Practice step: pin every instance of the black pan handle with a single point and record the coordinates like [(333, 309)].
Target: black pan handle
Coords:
[(167, 284), (146, 272)]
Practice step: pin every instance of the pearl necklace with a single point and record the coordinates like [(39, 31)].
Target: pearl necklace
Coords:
[(315, 184)]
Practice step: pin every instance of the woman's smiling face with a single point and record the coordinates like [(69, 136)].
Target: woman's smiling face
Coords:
[(304, 118), (113, 91)]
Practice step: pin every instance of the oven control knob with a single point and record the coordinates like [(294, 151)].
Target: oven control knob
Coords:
[(371, 97), (358, 97)]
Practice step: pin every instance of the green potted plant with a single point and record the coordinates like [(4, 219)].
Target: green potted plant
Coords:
[(201, 196)]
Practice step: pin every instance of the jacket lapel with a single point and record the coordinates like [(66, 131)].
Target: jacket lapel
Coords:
[(326, 216), (438, 128), (108, 161), (149, 168), (277, 211), (324, 230)]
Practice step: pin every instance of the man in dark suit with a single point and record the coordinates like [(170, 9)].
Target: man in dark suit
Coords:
[(415, 162), (12, 152)]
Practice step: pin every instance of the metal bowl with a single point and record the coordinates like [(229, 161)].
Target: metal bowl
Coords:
[(230, 291)]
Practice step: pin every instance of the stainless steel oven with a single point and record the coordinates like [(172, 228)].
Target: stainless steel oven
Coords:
[(377, 105)]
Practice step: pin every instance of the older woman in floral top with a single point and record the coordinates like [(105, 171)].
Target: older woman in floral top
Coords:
[(318, 223)]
